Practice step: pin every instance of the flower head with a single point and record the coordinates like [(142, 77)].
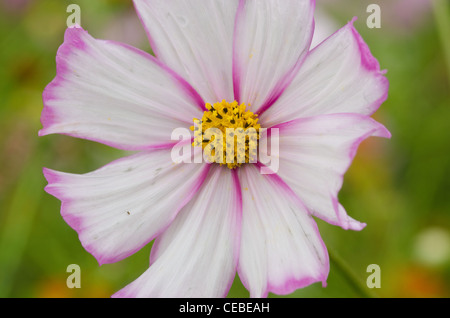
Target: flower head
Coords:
[(223, 64)]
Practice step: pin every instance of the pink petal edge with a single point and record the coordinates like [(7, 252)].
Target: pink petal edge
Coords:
[(293, 284), (76, 222), (283, 83), (379, 130), (72, 39), (368, 61)]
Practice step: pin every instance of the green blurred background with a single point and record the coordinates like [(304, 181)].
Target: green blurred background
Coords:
[(399, 187)]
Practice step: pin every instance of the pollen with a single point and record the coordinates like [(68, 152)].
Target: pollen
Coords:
[(228, 134)]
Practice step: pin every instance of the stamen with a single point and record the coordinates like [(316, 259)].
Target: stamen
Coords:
[(234, 120)]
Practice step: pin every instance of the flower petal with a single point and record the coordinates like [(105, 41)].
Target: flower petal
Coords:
[(324, 26), (119, 208), (281, 248), (115, 94), (195, 39), (271, 39), (315, 153), (197, 255), (338, 76)]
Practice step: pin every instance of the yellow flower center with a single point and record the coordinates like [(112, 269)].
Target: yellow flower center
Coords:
[(228, 134)]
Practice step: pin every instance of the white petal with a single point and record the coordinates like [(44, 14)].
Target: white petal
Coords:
[(119, 208), (197, 255), (324, 26), (314, 155), (195, 39), (338, 76), (281, 248), (115, 94), (271, 40)]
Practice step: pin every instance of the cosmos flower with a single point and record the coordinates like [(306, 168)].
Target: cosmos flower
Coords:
[(216, 61)]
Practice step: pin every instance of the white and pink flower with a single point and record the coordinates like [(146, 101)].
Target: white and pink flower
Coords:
[(210, 221)]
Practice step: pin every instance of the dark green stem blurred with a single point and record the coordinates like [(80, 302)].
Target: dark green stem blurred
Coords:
[(360, 288), (442, 15)]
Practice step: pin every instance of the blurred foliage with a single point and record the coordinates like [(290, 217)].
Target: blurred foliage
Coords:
[(399, 187)]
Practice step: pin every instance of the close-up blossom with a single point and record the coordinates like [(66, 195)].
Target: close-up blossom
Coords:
[(224, 64)]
